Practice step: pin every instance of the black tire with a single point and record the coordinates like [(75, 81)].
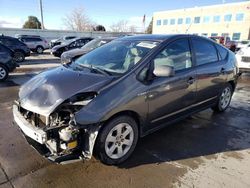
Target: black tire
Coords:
[(19, 56), (39, 49), (219, 107), (4, 73), (107, 129)]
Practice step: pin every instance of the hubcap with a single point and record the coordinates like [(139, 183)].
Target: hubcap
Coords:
[(225, 98), (119, 141), (39, 50), (2, 73)]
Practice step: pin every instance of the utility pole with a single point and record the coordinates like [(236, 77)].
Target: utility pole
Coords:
[(41, 10)]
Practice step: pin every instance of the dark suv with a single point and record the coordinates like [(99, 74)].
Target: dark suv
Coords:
[(110, 97), (20, 49), (6, 62)]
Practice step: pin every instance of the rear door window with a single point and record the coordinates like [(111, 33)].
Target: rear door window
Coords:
[(205, 51)]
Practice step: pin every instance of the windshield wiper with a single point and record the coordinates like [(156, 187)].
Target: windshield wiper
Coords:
[(102, 71)]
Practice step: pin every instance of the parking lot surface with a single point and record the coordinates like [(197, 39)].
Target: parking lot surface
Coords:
[(204, 150)]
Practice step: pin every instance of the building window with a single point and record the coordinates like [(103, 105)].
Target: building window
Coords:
[(158, 22), (239, 17), (228, 17), (236, 36), (165, 22), (206, 19), (180, 21), (172, 21), (225, 34), (214, 34), (204, 34), (216, 19), (197, 20), (188, 20)]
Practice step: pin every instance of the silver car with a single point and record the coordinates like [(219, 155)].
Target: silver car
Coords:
[(35, 43)]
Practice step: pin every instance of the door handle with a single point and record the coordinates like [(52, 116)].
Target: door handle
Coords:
[(222, 71), (191, 80)]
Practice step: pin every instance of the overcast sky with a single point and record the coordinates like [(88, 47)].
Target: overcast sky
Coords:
[(13, 13)]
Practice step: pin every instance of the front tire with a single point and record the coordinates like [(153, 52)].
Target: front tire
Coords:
[(3, 73), (224, 99), (117, 140)]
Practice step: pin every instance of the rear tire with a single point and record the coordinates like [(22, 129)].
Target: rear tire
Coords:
[(117, 140), (19, 56), (224, 99), (39, 49), (4, 73)]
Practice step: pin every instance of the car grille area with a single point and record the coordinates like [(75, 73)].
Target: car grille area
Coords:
[(35, 119), (245, 59)]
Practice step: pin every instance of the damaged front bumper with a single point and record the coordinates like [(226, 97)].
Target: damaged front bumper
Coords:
[(49, 142)]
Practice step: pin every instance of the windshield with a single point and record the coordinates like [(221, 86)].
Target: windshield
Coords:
[(94, 44), (117, 57)]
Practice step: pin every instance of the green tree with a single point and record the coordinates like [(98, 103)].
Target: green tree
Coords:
[(99, 28), (150, 27), (32, 23)]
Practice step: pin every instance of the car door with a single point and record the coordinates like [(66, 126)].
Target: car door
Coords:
[(29, 42), (211, 71), (170, 96)]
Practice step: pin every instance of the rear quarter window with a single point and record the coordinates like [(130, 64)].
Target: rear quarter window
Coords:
[(222, 52)]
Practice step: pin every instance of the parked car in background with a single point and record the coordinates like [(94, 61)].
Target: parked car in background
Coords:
[(225, 41), (69, 45), (243, 59), (110, 97), (20, 49), (35, 43), (242, 44), (70, 55), (7, 64), (61, 40)]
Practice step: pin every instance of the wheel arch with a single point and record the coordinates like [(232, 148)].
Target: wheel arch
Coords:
[(233, 84), (129, 113)]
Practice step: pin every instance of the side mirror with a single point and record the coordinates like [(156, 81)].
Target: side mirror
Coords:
[(66, 60), (164, 71)]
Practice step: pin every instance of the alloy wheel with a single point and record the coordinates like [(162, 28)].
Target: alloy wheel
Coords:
[(119, 140), (225, 98), (3, 73)]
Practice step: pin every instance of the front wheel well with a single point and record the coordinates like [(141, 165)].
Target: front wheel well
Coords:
[(232, 83), (129, 113)]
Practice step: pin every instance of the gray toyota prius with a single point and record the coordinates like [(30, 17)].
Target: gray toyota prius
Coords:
[(107, 99)]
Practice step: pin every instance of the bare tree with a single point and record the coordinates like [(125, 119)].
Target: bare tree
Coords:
[(77, 20), (132, 29), (120, 26)]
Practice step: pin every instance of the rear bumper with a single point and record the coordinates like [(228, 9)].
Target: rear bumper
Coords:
[(12, 65), (27, 54)]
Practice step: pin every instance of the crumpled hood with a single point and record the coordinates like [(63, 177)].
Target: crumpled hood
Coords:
[(43, 93)]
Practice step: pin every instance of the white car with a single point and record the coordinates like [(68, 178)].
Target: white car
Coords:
[(243, 59), (242, 44)]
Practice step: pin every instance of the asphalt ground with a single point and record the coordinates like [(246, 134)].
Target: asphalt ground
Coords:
[(204, 150)]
